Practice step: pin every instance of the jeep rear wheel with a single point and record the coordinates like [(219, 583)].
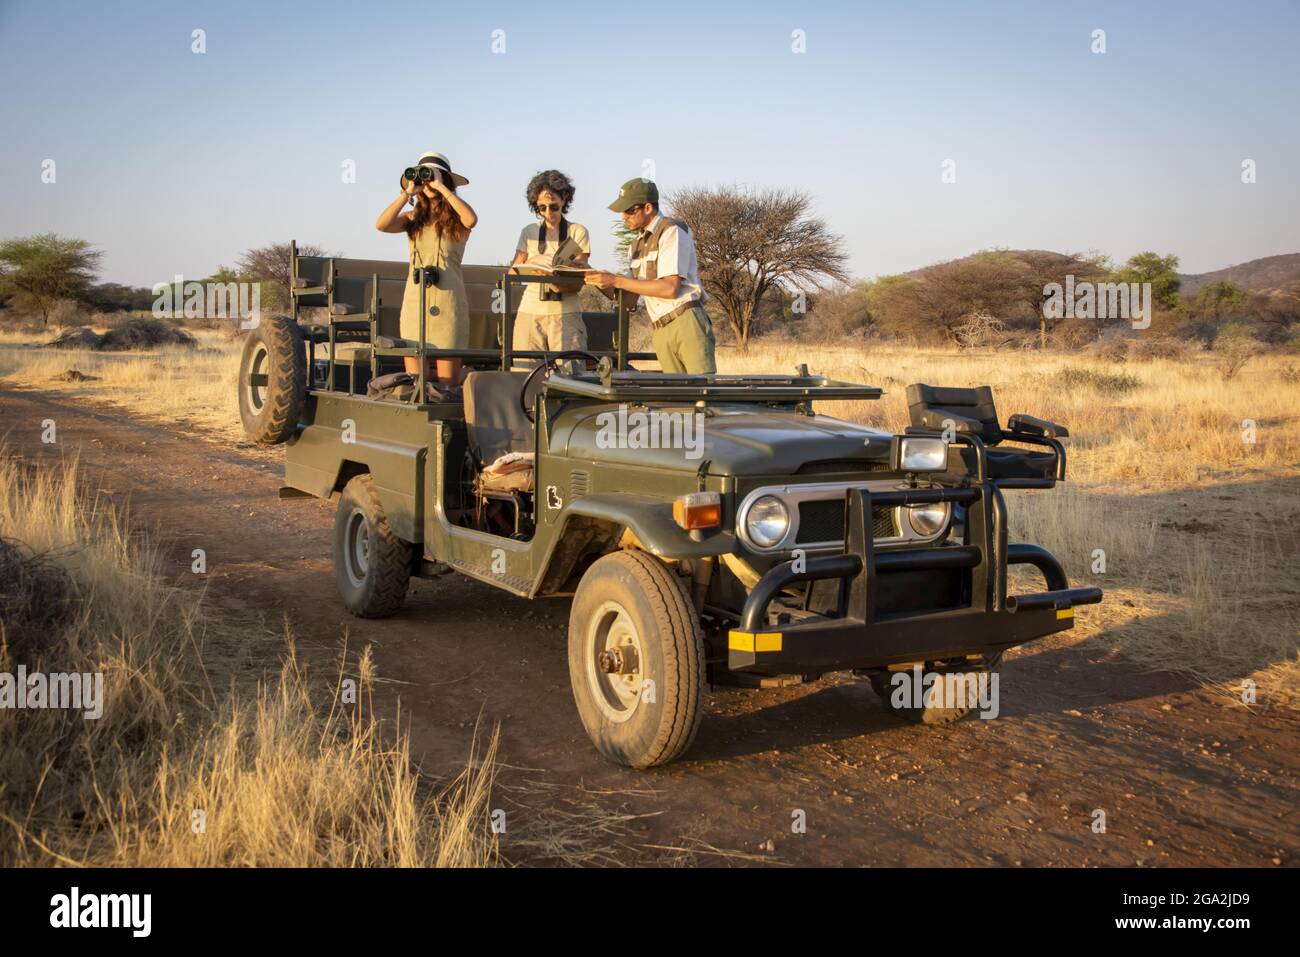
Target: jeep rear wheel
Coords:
[(272, 380), (636, 660), (371, 565), (930, 705)]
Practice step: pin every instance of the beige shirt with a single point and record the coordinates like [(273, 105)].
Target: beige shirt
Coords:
[(676, 255), (528, 242)]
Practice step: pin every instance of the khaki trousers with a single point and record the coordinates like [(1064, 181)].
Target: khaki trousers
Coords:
[(553, 333), (686, 344)]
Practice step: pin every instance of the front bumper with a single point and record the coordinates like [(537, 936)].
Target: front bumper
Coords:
[(862, 635)]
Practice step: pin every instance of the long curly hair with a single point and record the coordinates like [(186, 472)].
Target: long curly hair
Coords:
[(437, 212), (556, 182)]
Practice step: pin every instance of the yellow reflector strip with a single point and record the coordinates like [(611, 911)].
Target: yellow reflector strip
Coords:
[(748, 641), (1064, 613)]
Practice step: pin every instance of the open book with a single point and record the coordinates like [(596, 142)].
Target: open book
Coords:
[(557, 263), (531, 268)]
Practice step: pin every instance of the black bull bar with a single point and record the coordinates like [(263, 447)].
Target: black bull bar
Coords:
[(858, 637)]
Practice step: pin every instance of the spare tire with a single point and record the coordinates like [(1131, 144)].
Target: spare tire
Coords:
[(272, 380)]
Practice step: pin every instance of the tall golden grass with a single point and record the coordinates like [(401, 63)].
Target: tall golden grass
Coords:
[(199, 758), (196, 387)]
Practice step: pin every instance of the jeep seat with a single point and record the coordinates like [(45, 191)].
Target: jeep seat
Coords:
[(971, 411), (493, 417)]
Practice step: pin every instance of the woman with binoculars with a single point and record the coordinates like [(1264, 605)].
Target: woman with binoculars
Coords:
[(550, 315), (436, 232)]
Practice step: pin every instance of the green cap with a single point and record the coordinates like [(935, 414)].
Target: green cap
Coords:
[(635, 192)]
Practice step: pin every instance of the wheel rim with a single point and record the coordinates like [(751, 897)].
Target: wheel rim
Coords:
[(617, 694), (356, 549), (257, 378)]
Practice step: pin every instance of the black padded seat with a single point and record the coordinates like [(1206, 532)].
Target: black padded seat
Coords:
[(493, 417), (971, 411)]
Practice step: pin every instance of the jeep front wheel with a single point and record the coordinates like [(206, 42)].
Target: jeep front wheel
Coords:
[(371, 565), (636, 660)]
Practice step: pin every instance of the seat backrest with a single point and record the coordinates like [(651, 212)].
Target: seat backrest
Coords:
[(480, 287), (930, 405), (602, 330), (493, 416), (313, 271), (366, 268), (352, 295)]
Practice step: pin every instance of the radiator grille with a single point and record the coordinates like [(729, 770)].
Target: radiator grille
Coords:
[(822, 520)]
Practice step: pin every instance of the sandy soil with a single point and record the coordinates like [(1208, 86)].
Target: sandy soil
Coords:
[(1185, 777)]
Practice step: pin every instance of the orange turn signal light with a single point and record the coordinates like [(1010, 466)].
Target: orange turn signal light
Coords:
[(698, 510)]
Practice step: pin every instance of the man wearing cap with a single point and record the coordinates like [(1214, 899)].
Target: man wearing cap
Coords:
[(665, 273)]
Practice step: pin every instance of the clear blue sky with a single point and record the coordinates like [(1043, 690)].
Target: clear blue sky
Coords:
[(174, 162)]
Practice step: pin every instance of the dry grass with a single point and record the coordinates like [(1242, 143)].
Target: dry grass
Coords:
[(283, 772), (193, 387), (1157, 423)]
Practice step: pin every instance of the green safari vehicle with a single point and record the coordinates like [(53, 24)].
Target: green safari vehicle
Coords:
[(716, 529)]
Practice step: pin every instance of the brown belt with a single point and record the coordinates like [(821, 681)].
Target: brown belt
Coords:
[(680, 310)]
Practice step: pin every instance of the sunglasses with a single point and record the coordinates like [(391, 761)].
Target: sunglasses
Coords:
[(549, 207), (633, 209)]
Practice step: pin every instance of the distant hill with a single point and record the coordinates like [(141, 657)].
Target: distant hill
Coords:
[(1257, 275), (913, 273)]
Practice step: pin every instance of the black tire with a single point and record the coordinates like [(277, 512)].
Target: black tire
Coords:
[(272, 380), (925, 712), (371, 565), (631, 599)]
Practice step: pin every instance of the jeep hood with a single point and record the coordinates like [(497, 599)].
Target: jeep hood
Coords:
[(737, 440)]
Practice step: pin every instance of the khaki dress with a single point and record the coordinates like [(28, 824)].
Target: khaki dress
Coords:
[(447, 318)]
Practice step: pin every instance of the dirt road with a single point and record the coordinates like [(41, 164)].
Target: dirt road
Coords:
[(1184, 777)]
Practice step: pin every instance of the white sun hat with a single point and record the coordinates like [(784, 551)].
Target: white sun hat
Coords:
[(432, 158)]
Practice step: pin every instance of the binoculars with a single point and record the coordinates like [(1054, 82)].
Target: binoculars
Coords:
[(418, 174), (426, 275)]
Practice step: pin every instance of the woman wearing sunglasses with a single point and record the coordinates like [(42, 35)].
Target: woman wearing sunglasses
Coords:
[(436, 232), (550, 316)]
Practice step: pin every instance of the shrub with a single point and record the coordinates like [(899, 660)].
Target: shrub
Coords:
[(1112, 351), (1103, 383), (1075, 334), (1147, 348)]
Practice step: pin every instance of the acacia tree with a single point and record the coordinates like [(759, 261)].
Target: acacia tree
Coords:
[(750, 242), (1160, 271), (38, 271), (1044, 267), (943, 296), (270, 265)]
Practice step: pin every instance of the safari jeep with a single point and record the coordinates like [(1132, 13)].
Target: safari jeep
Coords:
[(716, 529)]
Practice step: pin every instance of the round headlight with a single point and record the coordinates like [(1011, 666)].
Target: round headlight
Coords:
[(767, 521), (927, 520)]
